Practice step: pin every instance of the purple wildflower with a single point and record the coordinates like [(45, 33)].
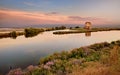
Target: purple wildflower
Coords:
[(50, 63), (46, 67)]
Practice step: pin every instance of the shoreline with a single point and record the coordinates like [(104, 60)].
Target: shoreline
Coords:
[(65, 61), (35, 31), (81, 30)]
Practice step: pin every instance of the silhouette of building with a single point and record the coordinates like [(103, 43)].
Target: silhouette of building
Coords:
[(88, 25)]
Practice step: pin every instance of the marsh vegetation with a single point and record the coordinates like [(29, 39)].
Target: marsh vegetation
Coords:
[(98, 59), (82, 30), (29, 32)]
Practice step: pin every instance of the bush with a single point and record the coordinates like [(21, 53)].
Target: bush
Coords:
[(77, 27), (93, 57), (78, 53), (13, 34), (29, 32), (99, 46), (59, 28), (116, 42)]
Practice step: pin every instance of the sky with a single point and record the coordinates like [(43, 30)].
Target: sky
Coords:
[(32, 12)]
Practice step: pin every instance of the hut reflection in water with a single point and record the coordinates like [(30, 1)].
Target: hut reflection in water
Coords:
[(88, 34)]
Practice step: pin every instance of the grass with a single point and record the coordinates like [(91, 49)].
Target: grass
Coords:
[(93, 68), (82, 30), (73, 31)]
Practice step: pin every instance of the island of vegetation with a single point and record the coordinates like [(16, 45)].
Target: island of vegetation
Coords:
[(96, 59), (30, 32), (85, 29), (82, 30)]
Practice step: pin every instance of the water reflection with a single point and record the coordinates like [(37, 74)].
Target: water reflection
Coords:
[(28, 35), (14, 37), (88, 34), (32, 35)]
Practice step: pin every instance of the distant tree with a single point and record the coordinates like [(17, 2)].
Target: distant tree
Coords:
[(77, 27), (70, 27), (13, 34), (63, 27)]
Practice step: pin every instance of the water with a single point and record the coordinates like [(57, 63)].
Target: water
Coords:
[(21, 52)]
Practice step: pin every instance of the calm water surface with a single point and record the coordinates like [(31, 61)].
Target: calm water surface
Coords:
[(21, 52)]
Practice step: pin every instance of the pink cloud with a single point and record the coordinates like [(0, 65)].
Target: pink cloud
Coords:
[(21, 17), (91, 19)]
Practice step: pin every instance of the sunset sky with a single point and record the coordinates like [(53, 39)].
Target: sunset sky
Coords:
[(32, 12)]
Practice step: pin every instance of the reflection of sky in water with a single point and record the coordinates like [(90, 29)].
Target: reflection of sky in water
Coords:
[(22, 51)]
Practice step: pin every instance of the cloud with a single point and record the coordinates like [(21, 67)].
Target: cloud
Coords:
[(12, 17), (22, 18), (83, 18), (52, 13), (95, 20)]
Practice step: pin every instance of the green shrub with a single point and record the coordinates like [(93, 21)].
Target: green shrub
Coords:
[(99, 46), (77, 27), (13, 34), (41, 72), (59, 28), (29, 32), (93, 57)]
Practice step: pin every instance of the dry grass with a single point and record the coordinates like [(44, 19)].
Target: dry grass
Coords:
[(93, 68), (98, 68), (114, 55)]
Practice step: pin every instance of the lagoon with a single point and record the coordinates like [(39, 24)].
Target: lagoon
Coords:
[(21, 52)]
